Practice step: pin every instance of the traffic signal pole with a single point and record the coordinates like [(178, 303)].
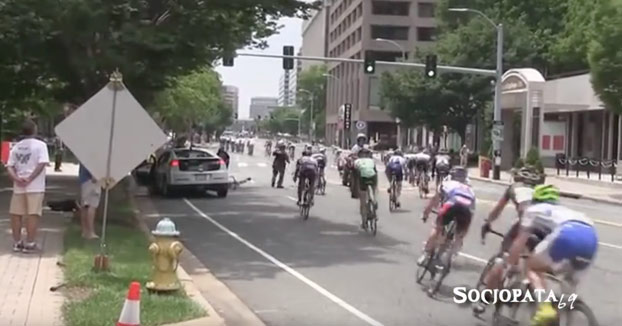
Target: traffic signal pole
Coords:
[(463, 70)]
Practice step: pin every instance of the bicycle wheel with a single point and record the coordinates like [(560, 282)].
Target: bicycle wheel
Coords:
[(393, 196), (481, 282), (568, 317), (444, 258), (427, 268)]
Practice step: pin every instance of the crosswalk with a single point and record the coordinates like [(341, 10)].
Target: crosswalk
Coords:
[(243, 164)]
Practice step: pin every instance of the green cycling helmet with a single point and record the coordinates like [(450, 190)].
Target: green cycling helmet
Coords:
[(545, 193)]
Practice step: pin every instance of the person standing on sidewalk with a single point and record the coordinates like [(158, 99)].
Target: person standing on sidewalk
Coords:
[(26, 167), (464, 155), (90, 194), (59, 149)]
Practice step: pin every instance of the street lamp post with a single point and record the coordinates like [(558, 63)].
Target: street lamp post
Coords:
[(379, 39), (496, 145), (311, 123), (337, 80)]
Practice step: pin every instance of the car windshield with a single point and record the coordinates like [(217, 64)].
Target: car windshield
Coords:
[(186, 153)]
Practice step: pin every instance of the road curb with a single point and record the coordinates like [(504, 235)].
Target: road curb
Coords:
[(213, 318), (562, 193)]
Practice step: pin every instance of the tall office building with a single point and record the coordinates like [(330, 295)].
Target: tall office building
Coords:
[(381, 29), (231, 97), (285, 96), (261, 107), (314, 41)]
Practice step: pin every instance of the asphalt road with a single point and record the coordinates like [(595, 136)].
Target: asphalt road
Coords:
[(325, 271)]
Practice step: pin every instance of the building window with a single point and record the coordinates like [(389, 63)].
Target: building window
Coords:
[(392, 8), (389, 32), (426, 9), (426, 34)]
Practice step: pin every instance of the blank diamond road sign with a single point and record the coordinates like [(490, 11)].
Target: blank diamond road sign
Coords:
[(86, 132)]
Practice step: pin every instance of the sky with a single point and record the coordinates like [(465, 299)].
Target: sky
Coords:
[(260, 76)]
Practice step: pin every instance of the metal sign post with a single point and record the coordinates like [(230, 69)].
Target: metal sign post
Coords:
[(101, 260), (347, 123)]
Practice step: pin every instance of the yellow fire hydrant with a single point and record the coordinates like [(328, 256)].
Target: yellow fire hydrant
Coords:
[(165, 252)]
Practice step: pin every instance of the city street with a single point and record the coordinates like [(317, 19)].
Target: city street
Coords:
[(326, 271)]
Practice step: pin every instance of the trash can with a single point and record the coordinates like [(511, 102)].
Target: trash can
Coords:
[(484, 167)]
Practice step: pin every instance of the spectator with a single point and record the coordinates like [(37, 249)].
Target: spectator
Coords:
[(278, 165), (59, 149), (90, 194), (222, 153), (464, 155), (26, 167)]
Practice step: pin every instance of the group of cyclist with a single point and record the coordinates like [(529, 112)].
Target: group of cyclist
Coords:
[(559, 240)]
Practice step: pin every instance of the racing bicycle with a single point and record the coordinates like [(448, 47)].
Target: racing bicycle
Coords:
[(393, 194), (438, 262), (371, 210), (515, 280), (305, 206), (320, 189), (423, 181)]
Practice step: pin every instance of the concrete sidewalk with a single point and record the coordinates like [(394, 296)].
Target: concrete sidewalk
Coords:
[(25, 279), (573, 187)]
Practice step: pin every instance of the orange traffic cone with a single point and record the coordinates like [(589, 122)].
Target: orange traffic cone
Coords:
[(130, 315)]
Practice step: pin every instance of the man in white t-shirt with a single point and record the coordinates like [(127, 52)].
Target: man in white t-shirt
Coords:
[(26, 167)]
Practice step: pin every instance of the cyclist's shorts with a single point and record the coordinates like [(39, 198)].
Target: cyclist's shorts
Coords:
[(397, 171), (570, 247), (411, 164), (422, 166), (454, 211), (364, 182), (307, 173), (442, 168), (535, 237)]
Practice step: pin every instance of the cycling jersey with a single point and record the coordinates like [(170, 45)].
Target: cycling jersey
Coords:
[(545, 217), (458, 193), (396, 162), (421, 158), (571, 243), (321, 159), (520, 195), (366, 167), (307, 163)]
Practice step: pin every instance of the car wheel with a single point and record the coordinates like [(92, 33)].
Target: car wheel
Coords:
[(222, 193)]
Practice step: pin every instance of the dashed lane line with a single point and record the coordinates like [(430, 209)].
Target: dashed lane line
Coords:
[(346, 306)]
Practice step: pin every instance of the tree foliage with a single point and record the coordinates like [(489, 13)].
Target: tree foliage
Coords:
[(314, 81), (541, 34), (67, 48), (194, 101), (282, 120), (605, 54)]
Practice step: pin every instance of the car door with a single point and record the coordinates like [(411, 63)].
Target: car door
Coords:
[(161, 167)]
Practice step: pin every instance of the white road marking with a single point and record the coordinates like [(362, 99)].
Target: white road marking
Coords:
[(292, 198), (610, 245), (477, 259), (262, 164), (162, 215), (289, 270), (242, 164)]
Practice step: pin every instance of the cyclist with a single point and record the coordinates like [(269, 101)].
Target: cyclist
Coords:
[(410, 162), (395, 167), (361, 140), (520, 193), (442, 163), (421, 162), (321, 159), (367, 174), (387, 156), (268, 146), (457, 202), (306, 169), (570, 245)]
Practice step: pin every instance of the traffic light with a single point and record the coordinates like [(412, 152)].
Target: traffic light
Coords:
[(347, 116), (288, 63), (430, 65), (370, 65), (236, 116), (259, 117), (227, 61)]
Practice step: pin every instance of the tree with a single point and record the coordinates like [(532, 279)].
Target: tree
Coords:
[(69, 47), (194, 101), (314, 81), (605, 55), (282, 120)]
